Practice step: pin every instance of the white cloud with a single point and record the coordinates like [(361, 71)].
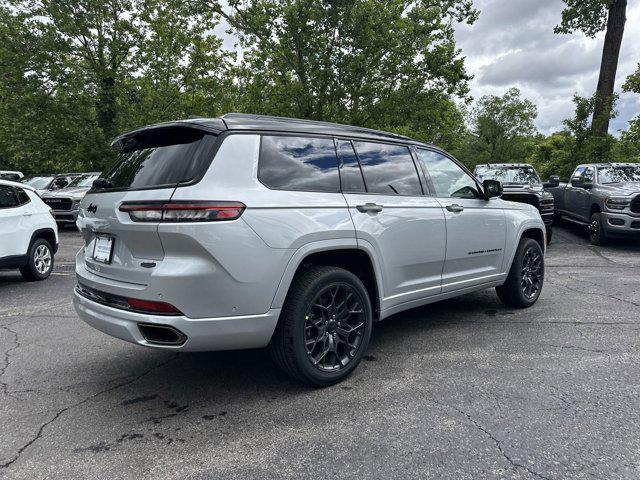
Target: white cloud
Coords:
[(513, 44)]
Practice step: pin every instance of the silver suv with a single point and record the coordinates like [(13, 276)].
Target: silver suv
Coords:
[(249, 231)]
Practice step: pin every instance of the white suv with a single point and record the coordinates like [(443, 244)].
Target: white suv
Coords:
[(246, 231), (28, 231)]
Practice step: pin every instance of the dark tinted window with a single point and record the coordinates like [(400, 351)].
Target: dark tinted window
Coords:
[(350, 174), (388, 169), (299, 163), (8, 197), (22, 196), (164, 156), (448, 178)]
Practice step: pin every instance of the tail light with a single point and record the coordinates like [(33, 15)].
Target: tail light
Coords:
[(149, 306), (183, 211)]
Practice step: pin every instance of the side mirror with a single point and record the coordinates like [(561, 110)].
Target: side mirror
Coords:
[(492, 188), (554, 181)]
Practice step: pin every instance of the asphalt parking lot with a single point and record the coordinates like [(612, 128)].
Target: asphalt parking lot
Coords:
[(461, 389)]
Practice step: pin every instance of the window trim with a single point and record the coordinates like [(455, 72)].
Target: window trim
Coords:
[(458, 163), (340, 164), (407, 146), (262, 134)]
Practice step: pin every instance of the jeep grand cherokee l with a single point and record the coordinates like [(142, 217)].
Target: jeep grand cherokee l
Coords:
[(249, 231)]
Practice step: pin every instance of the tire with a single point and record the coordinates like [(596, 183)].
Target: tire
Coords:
[(40, 261), (549, 235), (308, 322), (597, 234), (514, 292)]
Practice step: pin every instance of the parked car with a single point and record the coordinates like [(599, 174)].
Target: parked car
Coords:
[(28, 232), (603, 196), (11, 175), (49, 182), (249, 231), (65, 201), (521, 183)]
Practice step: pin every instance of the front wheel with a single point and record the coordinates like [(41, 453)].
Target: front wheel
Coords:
[(324, 328), (526, 277), (597, 235)]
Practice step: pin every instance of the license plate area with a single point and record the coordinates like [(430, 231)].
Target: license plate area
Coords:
[(103, 249)]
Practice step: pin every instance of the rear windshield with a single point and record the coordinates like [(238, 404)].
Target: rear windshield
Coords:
[(160, 157)]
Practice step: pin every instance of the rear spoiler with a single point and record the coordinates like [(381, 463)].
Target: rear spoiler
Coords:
[(213, 126)]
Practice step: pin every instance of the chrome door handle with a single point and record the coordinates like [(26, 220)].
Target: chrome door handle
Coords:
[(369, 207), (455, 208), (27, 214)]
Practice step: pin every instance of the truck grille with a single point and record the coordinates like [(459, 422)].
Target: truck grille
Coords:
[(635, 204), (58, 203), (546, 205)]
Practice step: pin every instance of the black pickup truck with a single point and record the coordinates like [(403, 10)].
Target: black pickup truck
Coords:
[(603, 196), (520, 183)]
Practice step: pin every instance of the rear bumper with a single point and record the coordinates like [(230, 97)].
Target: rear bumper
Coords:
[(621, 224), (203, 334)]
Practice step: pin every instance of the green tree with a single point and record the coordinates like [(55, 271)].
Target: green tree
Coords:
[(503, 128), (591, 17), (390, 64)]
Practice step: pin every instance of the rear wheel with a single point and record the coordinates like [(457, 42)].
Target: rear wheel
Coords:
[(526, 277), (40, 261), (597, 235), (324, 328)]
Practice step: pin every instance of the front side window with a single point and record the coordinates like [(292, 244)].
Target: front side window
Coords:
[(8, 197), (388, 169), (299, 163), (350, 173), (449, 180)]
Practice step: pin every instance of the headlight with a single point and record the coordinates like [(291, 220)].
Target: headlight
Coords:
[(534, 188), (617, 203)]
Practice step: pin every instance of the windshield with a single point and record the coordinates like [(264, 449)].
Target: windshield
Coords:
[(522, 175), (83, 181), (39, 183), (627, 173)]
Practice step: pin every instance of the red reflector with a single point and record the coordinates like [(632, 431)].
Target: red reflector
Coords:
[(152, 307)]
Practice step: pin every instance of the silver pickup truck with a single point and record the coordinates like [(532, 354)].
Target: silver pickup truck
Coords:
[(603, 196)]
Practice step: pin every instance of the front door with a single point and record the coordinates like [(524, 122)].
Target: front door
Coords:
[(476, 228)]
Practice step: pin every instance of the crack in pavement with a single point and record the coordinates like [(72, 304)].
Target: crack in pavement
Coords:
[(584, 292), (77, 404), (7, 357), (497, 442)]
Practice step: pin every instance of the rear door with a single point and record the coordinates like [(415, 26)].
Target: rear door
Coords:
[(392, 215), (148, 170), (476, 228)]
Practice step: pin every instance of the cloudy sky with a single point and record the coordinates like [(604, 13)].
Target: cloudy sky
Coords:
[(513, 43)]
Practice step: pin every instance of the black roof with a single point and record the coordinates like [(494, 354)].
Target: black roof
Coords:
[(251, 122)]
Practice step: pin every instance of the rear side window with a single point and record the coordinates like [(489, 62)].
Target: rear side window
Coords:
[(298, 163), (350, 173), (388, 169), (160, 157), (22, 196), (8, 197)]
